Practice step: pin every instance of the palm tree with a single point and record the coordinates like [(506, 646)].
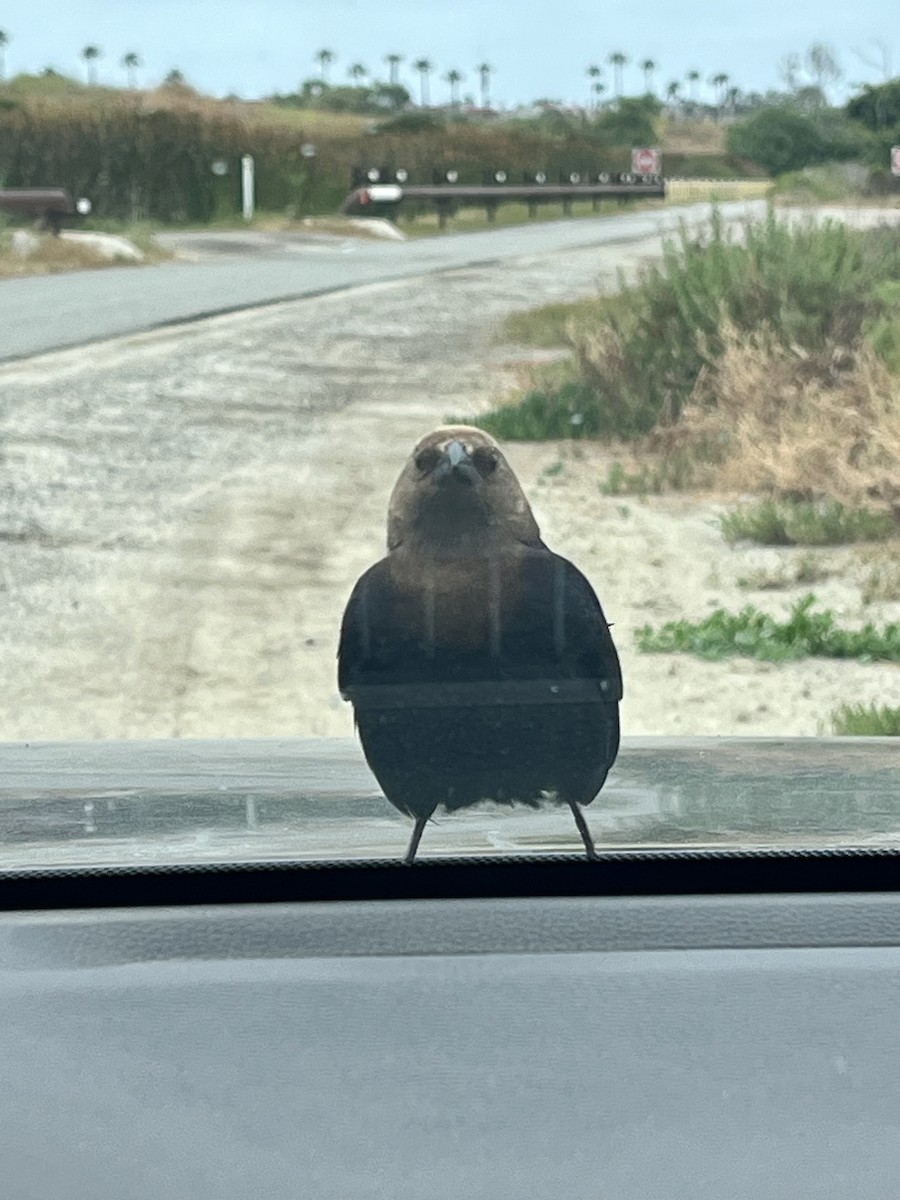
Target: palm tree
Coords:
[(357, 73), (131, 62), (90, 54), (648, 66), (593, 73), (672, 92), (720, 81), (424, 67), (393, 61), (484, 74), (617, 61), (454, 78), (598, 89), (324, 58), (693, 78), (4, 42)]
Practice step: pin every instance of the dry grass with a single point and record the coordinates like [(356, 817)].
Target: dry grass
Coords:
[(783, 423), (880, 575), (716, 191), (693, 137), (807, 568), (54, 255)]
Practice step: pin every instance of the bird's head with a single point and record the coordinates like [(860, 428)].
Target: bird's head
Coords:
[(457, 489)]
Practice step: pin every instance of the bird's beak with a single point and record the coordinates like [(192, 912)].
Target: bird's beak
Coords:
[(456, 464)]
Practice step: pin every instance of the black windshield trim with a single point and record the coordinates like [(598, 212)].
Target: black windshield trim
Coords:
[(634, 873)]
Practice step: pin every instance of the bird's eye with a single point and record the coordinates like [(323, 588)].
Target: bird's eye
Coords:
[(427, 460), (485, 460)]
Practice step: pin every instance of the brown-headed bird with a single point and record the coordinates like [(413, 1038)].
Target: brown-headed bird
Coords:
[(479, 663)]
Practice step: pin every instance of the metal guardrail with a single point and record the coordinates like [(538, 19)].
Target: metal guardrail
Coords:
[(50, 206), (386, 199)]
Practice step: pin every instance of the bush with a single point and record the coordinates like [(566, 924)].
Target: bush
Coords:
[(779, 139), (877, 107), (631, 123), (806, 292)]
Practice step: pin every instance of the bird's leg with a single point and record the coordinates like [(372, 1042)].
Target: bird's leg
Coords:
[(421, 822), (584, 831)]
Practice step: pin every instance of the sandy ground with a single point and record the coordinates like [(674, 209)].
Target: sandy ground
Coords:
[(183, 514)]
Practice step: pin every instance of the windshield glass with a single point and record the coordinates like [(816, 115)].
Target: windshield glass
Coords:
[(489, 425)]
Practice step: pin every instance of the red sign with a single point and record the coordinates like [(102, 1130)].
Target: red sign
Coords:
[(645, 161), (895, 160)]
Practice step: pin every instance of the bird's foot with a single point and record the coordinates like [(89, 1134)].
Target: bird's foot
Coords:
[(413, 846), (589, 847)]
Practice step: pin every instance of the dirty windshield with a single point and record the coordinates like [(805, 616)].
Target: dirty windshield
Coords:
[(429, 434)]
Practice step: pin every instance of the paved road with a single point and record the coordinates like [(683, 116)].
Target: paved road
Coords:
[(44, 313)]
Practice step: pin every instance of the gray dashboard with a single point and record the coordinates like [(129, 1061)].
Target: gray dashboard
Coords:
[(620, 1047)]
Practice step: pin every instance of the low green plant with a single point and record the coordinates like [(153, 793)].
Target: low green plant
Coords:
[(805, 523), (546, 415), (674, 472), (866, 720), (755, 634), (547, 327)]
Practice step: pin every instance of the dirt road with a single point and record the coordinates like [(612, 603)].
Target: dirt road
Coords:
[(183, 514)]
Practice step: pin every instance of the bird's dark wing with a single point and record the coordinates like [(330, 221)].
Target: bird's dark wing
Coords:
[(529, 616), (373, 635), (559, 598)]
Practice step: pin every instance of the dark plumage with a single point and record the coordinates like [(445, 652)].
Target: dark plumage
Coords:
[(479, 663)]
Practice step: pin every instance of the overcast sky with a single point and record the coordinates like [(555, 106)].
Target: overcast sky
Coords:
[(537, 47)]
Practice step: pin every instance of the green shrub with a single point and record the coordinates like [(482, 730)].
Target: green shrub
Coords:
[(779, 139), (877, 107), (754, 634), (866, 720), (631, 123), (810, 288), (805, 523)]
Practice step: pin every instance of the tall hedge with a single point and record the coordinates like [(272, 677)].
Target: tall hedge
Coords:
[(138, 163), (136, 160)]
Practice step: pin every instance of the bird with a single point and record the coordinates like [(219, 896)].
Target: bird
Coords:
[(479, 663)]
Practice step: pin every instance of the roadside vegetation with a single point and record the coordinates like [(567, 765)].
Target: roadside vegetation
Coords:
[(305, 145), (752, 633), (805, 523), (866, 720), (47, 254), (762, 360)]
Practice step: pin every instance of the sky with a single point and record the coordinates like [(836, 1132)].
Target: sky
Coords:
[(537, 48)]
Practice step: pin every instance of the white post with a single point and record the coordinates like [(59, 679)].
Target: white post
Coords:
[(247, 186)]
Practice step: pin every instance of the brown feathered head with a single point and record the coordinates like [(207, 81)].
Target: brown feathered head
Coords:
[(457, 490)]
